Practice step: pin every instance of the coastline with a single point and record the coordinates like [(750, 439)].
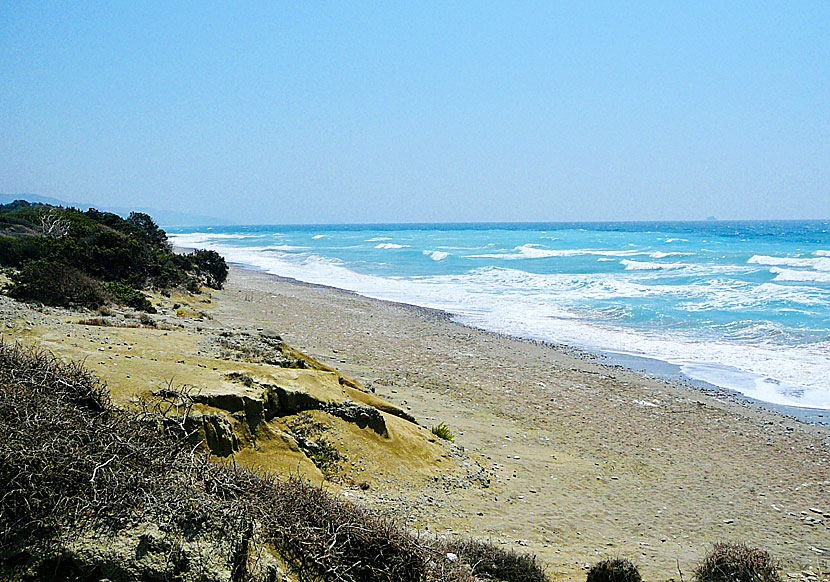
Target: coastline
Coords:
[(556, 453), (586, 458)]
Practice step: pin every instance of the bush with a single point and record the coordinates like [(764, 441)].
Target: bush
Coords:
[(55, 284), (614, 570), (126, 295), (17, 250), (495, 563), (443, 431), (734, 562), (210, 266), (133, 251)]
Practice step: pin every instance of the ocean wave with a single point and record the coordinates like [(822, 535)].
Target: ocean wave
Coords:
[(822, 253), (436, 255), (284, 248), (200, 238), (662, 254), (819, 264), (532, 251), (377, 238), (319, 236), (796, 275), (390, 246), (647, 266)]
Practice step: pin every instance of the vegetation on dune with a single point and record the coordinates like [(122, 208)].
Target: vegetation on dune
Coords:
[(95, 256), (71, 462)]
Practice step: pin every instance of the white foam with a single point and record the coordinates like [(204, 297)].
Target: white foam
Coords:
[(390, 246), (377, 238), (436, 255), (822, 253), (663, 255), (795, 275), (532, 251), (318, 236)]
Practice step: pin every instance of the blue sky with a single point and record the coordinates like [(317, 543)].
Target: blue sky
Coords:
[(281, 112)]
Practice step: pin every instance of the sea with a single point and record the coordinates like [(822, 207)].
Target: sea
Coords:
[(742, 306)]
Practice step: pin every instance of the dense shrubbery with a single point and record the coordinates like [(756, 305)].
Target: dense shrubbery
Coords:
[(71, 461), (54, 283), (132, 252), (730, 562)]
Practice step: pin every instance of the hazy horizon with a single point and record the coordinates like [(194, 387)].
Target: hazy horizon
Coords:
[(319, 114)]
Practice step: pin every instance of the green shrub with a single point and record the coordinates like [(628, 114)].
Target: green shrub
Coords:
[(614, 570), (134, 251), (55, 284), (126, 295), (735, 562), (444, 432), (210, 266), (17, 250)]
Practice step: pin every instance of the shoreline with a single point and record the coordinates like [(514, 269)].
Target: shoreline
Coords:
[(638, 364)]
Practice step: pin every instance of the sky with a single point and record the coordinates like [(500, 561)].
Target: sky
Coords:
[(325, 112)]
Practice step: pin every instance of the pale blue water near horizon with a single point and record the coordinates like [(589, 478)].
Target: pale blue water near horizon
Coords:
[(740, 305)]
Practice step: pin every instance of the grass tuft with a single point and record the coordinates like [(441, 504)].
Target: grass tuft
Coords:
[(443, 431)]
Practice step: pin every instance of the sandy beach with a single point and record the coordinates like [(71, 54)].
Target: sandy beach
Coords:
[(555, 452)]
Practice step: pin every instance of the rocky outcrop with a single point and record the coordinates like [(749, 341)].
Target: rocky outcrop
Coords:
[(359, 414), (219, 435), (231, 414)]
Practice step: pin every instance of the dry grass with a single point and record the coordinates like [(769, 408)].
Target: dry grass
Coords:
[(491, 562), (737, 562)]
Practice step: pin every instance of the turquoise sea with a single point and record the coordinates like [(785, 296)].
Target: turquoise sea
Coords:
[(741, 305)]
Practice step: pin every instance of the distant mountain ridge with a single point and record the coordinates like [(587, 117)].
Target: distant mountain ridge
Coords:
[(161, 216)]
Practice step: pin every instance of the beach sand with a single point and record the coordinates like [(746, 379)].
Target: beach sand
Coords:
[(558, 454)]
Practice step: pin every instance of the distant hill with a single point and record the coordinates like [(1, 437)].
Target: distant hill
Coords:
[(161, 216)]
